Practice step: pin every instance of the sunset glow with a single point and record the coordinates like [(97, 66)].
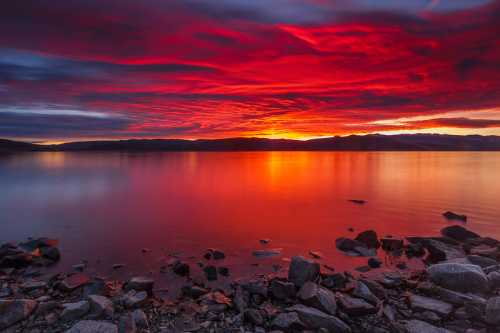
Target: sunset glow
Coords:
[(299, 69)]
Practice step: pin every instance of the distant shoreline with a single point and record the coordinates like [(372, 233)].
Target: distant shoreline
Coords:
[(373, 142)]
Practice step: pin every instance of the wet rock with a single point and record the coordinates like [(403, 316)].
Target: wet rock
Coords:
[(458, 233), (457, 298), (255, 286), (140, 283), (282, 290), (302, 270), (318, 297), (215, 254), (363, 269), (493, 311), (354, 247), (374, 262), (363, 292), (459, 277), (288, 321), (181, 268), (391, 244), (357, 201), (481, 261), (224, 271), (79, 267), (454, 217), (50, 252), (18, 260), (101, 306), (421, 303), (13, 311), (418, 326), (355, 306), (334, 281), (74, 311), (73, 282), (93, 326), (316, 254), (376, 288), (254, 316), (414, 250), (210, 273), (126, 324), (369, 238), (133, 299), (316, 319), (118, 266), (33, 285), (440, 249), (494, 280), (265, 241), (97, 286), (267, 253), (140, 319)]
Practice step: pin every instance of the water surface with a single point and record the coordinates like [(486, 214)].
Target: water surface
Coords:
[(106, 207)]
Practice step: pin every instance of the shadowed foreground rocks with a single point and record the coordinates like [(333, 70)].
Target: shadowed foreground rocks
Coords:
[(457, 291)]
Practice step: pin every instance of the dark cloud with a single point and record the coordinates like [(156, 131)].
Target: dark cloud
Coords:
[(456, 123)]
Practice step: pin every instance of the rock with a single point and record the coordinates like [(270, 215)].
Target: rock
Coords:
[(282, 290), (375, 287), (210, 273), (494, 280), (316, 319), (421, 303), (288, 321), (101, 306), (181, 268), (440, 249), (455, 217), (18, 260), (346, 244), (391, 244), (418, 326), (194, 291), (74, 311), (265, 241), (414, 250), (255, 286), (134, 298), (363, 292), (140, 319), (481, 261), (316, 254), (73, 282), (224, 271), (459, 277), (140, 283), (457, 298), (302, 270), (374, 262), (215, 254), (254, 316), (126, 324), (97, 286), (267, 253), (363, 269), (458, 233), (493, 311), (334, 281), (369, 238), (33, 285), (118, 266), (355, 306), (92, 326), (50, 252), (13, 311), (318, 297), (357, 201), (79, 267)]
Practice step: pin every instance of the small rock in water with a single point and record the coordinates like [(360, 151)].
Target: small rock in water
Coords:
[(146, 250), (140, 283), (391, 244), (267, 253), (302, 270), (369, 238), (118, 266), (358, 201), (224, 271), (181, 268), (374, 262), (265, 241), (216, 254), (316, 254), (458, 233), (210, 273), (79, 267), (455, 217), (363, 269)]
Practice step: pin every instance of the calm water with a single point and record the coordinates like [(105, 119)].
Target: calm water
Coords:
[(106, 207)]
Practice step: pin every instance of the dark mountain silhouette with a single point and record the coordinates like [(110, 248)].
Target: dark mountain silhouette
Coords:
[(375, 142)]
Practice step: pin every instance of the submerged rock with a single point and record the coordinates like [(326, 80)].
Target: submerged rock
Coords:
[(180, 268), (13, 311), (374, 262), (302, 270), (267, 253), (459, 277), (453, 216)]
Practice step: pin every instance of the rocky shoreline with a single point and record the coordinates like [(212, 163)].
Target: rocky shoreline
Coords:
[(457, 291)]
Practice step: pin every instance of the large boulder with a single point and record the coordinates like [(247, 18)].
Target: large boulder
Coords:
[(93, 326), (493, 311), (459, 277), (369, 238), (12, 311), (458, 233), (316, 319), (318, 297), (302, 270)]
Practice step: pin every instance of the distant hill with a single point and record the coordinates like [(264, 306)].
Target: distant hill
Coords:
[(375, 142)]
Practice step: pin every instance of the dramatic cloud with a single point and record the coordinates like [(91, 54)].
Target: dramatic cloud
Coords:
[(284, 68)]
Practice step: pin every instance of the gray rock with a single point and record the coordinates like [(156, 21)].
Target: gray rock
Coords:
[(316, 319), (13, 311), (100, 306), (140, 319), (74, 311), (418, 326), (421, 303), (459, 277), (493, 311), (458, 233), (457, 298), (481, 261), (140, 283), (362, 291), (440, 251), (92, 326), (281, 289), (355, 306), (134, 298), (318, 297), (288, 321), (267, 253), (494, 280), (302, 270)]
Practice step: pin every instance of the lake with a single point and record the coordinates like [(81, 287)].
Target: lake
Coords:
[(106, 207)]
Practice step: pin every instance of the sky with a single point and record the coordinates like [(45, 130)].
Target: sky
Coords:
[(116, 69)]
